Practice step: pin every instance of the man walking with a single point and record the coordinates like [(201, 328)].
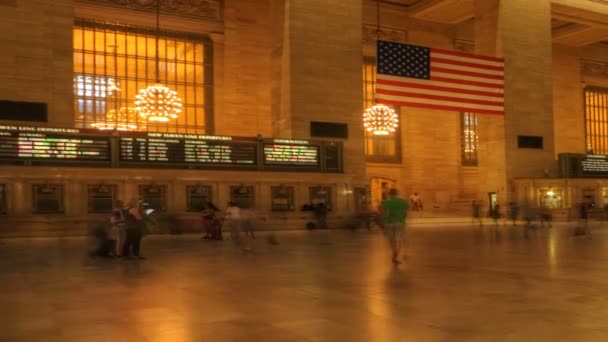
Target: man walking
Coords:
[(394, 210)]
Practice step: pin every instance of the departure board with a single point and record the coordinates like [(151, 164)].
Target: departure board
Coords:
[(38, 145), (188, 149), (291, 153)]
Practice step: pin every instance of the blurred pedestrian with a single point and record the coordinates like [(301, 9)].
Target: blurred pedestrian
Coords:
[(513, 212), (134, 228), (495, 214), (232, 220), (394, 210), (416, 203), (545, 216), (476, 212), (248, 217), (208, 215), (118, 228), (321, 210)]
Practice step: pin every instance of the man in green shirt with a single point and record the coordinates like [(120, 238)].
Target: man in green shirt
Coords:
[(395, 212)]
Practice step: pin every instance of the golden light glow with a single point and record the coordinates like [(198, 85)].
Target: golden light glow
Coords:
[(380, 120), (158, 103), (124, 120)]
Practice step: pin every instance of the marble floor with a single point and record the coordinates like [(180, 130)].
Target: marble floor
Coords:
[(457, 284)]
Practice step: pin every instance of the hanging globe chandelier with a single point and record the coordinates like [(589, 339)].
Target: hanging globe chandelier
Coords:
[(158, 103), (380, 120)]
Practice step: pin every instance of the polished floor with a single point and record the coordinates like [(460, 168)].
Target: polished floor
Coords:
[(457, 284)]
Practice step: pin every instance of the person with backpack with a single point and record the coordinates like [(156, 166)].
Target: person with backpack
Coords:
[(134, 228)]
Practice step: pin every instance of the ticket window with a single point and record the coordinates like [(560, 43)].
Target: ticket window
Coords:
[(3, 204), (321, 195), (198, 195), (242, 196), (154, 197), (47, 199), (282, 198), (101, 198), (551, 198)]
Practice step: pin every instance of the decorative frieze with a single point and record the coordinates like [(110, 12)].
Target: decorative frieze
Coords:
[(464, 45), (594, 68), (371, 34), (200, 9)]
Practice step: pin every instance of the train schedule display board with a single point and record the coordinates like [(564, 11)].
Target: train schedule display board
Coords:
[(187, 150), (291, 154), (48, 146)]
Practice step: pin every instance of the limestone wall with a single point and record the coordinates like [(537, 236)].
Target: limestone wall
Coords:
[(36, 58)]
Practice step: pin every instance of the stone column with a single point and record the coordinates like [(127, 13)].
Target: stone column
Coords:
[(520, 32), (320, 71)]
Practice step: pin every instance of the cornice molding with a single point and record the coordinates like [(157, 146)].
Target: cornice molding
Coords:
[(370, 34), (210, 10), (464, 45), (594, 68)]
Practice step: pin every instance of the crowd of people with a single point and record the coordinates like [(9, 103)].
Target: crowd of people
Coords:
[(122, 237)]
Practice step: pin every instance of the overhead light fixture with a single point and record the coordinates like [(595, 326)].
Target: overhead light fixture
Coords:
[(158, 103), (380, 120)]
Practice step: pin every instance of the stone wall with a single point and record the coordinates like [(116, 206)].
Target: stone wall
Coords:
[(245, 106), (36, 58)]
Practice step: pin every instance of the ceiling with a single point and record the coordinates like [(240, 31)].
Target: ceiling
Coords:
[(571, 25)]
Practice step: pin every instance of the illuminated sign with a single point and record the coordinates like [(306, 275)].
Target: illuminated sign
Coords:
[(291, 155)]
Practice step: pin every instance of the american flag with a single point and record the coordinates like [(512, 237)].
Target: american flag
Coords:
[(416, 76)]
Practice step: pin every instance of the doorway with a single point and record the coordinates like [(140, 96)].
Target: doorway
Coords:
[(492, 201), (379, 190)]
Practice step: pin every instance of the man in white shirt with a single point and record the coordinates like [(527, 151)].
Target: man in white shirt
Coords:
[(232, 217)]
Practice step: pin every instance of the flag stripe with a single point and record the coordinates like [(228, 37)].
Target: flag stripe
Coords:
[(438, 102), (439, 97), (468, 55), (469, 59), (442, 107), (465, 73), (439, 85), (467, 80), (475, 66)]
